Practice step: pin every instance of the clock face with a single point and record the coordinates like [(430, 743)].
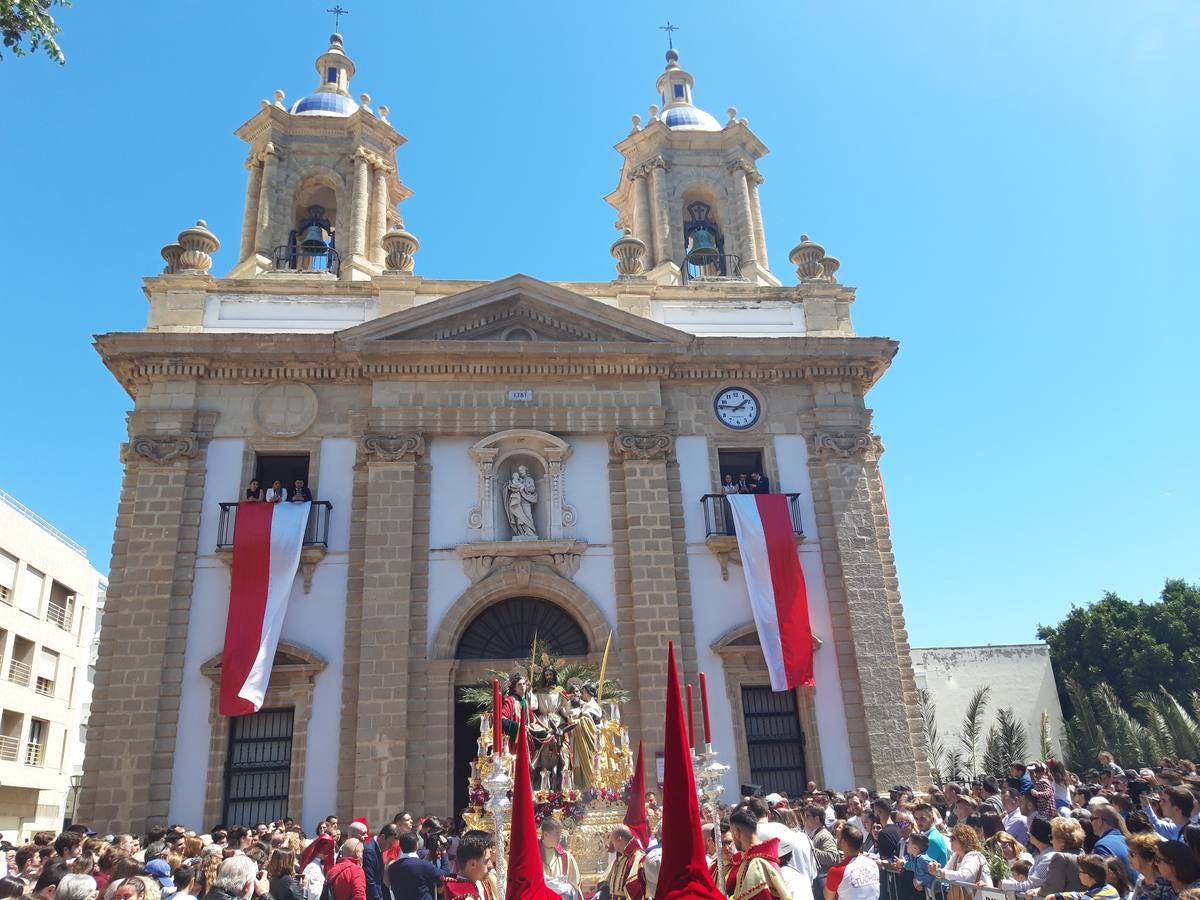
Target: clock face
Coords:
[(737, 408)]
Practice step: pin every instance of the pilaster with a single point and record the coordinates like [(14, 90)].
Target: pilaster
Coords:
[(379, 210), (873, 657), (139, 671), (250, 214), (741, 171), (657, 169), (643, 460), (391, 460), (266, 199)]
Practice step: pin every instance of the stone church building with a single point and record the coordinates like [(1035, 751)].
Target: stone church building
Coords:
[(407, 401)]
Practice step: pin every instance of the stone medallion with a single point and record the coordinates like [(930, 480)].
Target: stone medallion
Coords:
[(286, 408)]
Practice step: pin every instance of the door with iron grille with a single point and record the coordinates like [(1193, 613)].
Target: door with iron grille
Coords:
[(259, 767), (774, 740)]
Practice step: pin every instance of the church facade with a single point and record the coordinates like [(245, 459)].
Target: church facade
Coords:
[(410, 404)]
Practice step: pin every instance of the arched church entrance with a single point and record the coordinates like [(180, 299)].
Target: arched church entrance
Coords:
[(495, 639)]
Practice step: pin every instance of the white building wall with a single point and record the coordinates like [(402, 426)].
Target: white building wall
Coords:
[(315, 620), (719, 606), (1019, 675), (454, 486), (32, 797)]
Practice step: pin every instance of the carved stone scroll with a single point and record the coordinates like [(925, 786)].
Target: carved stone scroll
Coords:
[(392, 446), (162, 450), (643, 444)]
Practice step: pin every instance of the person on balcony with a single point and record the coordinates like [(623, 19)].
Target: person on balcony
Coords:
[(729, 486), (276, 492), (300, 493), (759, 483), (254, 493)]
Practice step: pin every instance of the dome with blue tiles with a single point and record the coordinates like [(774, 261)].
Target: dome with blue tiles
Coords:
[(324, 103), (675, 88), (688, 118)]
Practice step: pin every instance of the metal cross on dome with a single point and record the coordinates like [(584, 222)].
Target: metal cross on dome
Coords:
[(668, 28), (338, 12)]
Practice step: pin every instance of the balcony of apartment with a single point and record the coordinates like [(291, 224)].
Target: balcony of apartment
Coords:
[(316, 536), (20, 665), (721, 536), (60, 610), (23, 761)]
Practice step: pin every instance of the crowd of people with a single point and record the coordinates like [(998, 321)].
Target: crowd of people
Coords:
[(1041, 832)]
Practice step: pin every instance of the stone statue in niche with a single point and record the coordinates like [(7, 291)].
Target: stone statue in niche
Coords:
[(520, 493)]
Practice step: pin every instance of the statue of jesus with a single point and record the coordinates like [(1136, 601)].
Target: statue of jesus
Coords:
[(520, 493)]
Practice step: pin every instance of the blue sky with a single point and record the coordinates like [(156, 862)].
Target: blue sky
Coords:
[(1011, 186)]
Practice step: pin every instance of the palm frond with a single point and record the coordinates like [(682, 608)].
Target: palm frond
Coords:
[(972, 728), (933, 742)]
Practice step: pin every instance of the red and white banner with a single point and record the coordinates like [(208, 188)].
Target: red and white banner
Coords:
[(267, 540), (778, 596)]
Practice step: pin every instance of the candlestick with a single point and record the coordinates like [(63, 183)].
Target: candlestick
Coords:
[(691, 723), (704, 708), (497, 726)]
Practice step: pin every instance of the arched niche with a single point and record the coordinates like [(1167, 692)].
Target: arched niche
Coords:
[(496, 457), (507, 629)]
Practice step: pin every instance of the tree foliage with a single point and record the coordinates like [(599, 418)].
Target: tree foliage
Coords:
[(971, 729), (26, 26), (934, 748), (1006, 742), (1133, 648)]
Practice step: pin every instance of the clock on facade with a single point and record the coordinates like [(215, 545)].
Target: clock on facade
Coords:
[(737, 408)]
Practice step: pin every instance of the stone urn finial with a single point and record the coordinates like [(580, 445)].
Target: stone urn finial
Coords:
[(806, 257), (399, 246), (628, 252), (171, 253), (829, 265), (198, 246)]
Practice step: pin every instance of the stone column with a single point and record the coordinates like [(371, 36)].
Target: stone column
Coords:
[(652, 582), (139, 672), (358, 203), (879, 691), (741, 169), (660, 211), (250, 214), (753, 180), (379, 210), (389, 628), (270, 161), (641, 214)]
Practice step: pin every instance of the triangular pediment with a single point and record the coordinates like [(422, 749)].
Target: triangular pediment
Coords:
[(517, 308)]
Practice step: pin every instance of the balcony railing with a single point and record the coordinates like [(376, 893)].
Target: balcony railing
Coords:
[(33, 754), (294, 259), (722, 267), (5, 595), (45, 687), (10, 748), (19, 672), (718, 517), (316, 532), (62, 616)]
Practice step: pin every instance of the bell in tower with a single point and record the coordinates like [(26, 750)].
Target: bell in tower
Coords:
[(689, 190), (322, 167)]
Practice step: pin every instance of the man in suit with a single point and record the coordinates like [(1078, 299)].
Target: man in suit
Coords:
[(413, 878), (373, 866)]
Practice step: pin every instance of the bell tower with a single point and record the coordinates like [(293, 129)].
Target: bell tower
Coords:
[(323, 189), (689, 190)]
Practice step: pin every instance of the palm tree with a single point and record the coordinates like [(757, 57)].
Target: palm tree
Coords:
[(972, 728), (933, 741), (1007, 741)]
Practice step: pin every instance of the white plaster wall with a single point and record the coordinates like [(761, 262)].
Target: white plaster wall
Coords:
[(748, 319), (275, 312), (720, 606), (1019, 675), (314, 620), (454, 487)]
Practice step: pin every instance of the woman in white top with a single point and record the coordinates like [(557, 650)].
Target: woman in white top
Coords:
[(967, 865), (276, 493), (1060, 778)]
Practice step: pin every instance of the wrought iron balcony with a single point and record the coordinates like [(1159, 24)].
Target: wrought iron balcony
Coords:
[(316, 532), (717, 267), (10, 748), (33, 754), (287, 258), (718, 517)]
